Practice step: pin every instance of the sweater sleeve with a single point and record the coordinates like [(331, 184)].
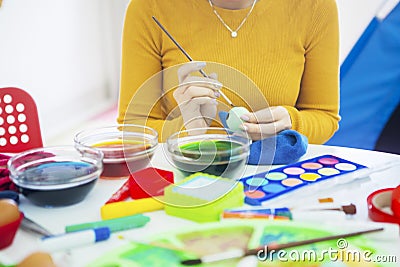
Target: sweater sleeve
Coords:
[(141, 98), (316, 112)]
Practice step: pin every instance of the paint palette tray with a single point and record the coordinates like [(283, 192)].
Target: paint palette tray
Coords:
[(322, 170), (170, 248)]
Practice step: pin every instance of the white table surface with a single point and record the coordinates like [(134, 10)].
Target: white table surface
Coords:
[(55, 219)]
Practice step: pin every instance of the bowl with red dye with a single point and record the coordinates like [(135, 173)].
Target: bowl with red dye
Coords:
[(126, 147)]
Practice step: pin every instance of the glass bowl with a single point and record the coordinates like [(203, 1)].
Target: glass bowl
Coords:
[(216, 151), (126, 147), (56, 176)]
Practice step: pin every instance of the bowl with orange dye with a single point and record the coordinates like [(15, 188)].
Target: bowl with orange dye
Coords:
[(126, 147)]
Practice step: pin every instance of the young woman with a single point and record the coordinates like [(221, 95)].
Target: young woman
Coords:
[(286, 49)]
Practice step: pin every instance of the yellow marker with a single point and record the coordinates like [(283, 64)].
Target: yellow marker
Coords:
[(126, 208)]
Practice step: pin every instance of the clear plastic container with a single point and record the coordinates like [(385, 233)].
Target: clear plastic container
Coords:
[(56, 176), (126, 147), (216, 151)]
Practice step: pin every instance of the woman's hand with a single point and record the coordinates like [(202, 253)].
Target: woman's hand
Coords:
[(266, 122), (197, 96)]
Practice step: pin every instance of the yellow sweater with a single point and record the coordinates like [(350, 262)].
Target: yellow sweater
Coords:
[(286, 54)]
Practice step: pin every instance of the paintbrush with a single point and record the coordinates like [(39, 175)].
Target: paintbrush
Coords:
[(234, 254), (285, 213), (350, 209), (189, 57)]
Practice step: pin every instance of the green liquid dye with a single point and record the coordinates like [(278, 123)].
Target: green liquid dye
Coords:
[(218, 150), (216, 157)]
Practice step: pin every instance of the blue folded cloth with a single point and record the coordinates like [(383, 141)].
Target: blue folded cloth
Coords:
[(284, 148)]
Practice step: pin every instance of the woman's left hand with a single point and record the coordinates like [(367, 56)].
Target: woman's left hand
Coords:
[(266, 122)]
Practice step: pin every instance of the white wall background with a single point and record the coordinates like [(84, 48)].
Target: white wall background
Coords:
[(354, 16), (66, 53)]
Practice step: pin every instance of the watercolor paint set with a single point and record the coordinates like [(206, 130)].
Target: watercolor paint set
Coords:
[(273, 183)]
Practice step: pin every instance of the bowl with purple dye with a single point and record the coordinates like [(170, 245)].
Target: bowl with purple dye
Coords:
[(56, 176)]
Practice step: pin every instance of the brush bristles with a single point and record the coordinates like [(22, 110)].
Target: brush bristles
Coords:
[(349, 209)]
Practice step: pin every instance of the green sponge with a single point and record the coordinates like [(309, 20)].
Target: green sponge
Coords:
[(202, 197)]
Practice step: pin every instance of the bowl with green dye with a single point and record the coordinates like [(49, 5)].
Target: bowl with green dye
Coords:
[(216, 151)]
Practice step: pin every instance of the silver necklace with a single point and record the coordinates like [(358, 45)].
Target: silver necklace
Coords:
[(234, 33)]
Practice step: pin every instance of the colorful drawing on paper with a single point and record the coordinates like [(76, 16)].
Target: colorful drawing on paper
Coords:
[(171, 248)]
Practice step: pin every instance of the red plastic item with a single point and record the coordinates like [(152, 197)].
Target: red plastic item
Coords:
[(396, 201), (19, 121), (8, 231), (149, 182), (378, 201), (122, 193)]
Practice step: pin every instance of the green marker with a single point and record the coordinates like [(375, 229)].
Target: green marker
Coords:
[(115, 225)]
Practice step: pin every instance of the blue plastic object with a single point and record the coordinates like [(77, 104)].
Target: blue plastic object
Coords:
[(370, 79)]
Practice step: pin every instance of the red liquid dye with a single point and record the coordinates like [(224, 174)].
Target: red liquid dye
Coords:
[(121, 159)]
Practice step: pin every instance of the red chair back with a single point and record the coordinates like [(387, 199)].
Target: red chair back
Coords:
[(19, 121)]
